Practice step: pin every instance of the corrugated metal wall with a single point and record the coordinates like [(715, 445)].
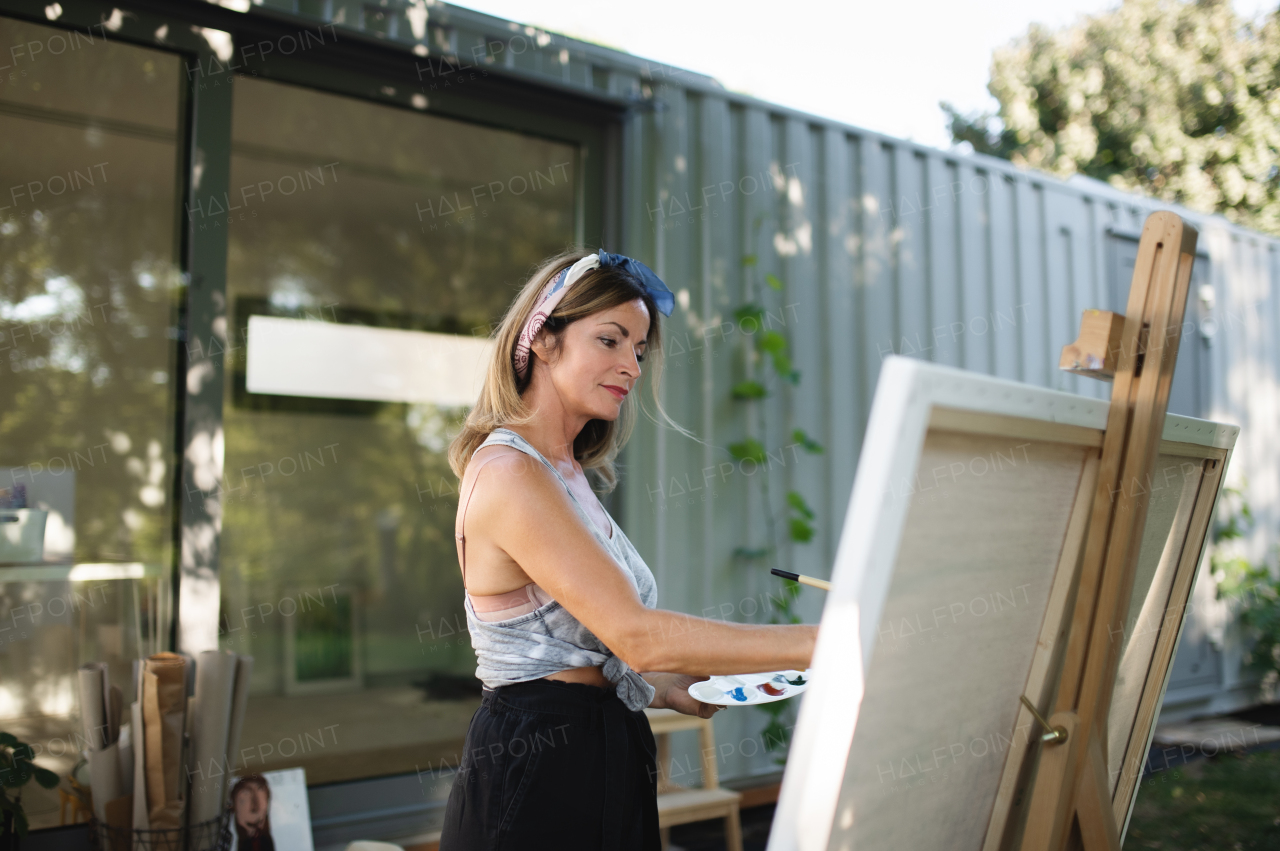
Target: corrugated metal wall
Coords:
[(882, 246)]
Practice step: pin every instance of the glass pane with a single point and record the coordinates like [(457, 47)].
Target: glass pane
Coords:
[(90, 154), (370, 249)]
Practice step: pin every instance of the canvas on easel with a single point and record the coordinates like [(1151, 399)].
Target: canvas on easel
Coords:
[(956, 609)]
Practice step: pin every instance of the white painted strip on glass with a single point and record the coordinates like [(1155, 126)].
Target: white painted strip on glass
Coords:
[(325, 360), (83, 572)]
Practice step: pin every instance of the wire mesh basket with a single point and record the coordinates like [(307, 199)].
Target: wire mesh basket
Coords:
[(211, 835)]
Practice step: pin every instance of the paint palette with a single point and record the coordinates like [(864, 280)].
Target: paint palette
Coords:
[(750, 689)]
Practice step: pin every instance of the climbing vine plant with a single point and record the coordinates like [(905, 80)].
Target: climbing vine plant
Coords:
[(1250, 588), (768, 367)]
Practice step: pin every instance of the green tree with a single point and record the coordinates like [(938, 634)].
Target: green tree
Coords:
[(1179, 100)]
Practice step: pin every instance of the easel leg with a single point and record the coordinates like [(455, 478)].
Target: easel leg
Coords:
[(1050, 812), (1093, 804)]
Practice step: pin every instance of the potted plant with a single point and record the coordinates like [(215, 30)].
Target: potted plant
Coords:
[(16, 770)]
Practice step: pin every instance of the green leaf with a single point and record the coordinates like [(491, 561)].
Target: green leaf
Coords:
[(23, 751), (749, 449), (46, 778), (773, 281), (9, 740), (782, 366), (749, 390), (775, 735), (748, 260), (796, 501), (772, 342), (17, 776), (801, 531), (807, 443), (788, 592), (750, 311)]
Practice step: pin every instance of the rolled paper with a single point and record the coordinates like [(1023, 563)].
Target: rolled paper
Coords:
[(211, 721), (153, 724), (140, 820), (239, 706), (93, 712), (104, 778), (164, 705)]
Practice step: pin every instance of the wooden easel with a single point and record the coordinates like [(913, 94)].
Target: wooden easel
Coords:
[(1070, 804)]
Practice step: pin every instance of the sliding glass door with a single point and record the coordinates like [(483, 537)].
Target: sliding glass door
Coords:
[(370, 248)]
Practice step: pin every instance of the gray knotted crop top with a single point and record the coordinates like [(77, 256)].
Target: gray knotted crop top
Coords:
[(549, 639)]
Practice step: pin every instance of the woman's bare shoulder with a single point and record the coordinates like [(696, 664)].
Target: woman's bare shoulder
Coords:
[(493, 450), (506, 471)]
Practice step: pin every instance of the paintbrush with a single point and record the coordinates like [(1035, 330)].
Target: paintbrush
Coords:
[(802, 579)]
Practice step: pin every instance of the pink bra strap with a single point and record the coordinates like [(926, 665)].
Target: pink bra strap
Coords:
[(462, 521)]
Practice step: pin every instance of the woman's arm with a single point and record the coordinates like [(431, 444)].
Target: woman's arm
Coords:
[(524, 511)]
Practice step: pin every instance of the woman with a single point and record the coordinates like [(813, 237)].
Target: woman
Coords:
[(560, 606)]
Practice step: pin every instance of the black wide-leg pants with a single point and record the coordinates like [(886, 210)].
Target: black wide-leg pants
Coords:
[(554, 765)]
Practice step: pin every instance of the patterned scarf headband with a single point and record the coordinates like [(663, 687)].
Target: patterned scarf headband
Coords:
[(556, 288)]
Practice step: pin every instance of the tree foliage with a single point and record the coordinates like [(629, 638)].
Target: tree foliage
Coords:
[(1179, 100)]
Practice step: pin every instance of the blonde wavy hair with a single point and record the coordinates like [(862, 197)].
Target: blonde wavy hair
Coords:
[(501, 404)]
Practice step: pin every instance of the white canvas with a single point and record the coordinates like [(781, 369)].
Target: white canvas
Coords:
[(904, 556)]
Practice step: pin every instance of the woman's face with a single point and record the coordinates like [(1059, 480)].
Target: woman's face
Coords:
[(251, 808), (598, 360)]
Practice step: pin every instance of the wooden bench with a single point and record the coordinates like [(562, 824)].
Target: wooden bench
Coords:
[(682, 805)]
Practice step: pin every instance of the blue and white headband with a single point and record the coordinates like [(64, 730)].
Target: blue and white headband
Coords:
[(556, 288)]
